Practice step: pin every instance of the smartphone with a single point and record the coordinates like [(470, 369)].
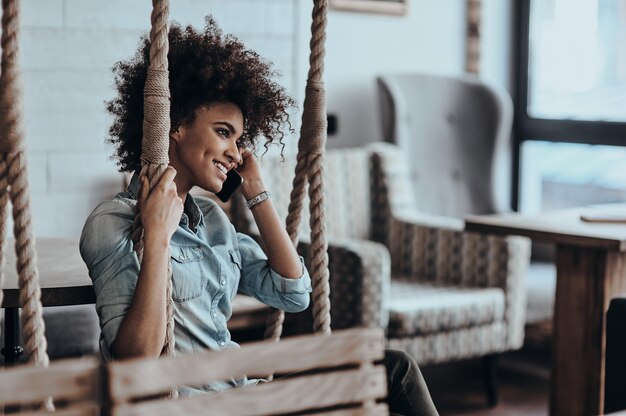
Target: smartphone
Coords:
[(616, 218), (232, 182)]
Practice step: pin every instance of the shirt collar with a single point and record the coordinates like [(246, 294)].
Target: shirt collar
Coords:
[(191, 208)]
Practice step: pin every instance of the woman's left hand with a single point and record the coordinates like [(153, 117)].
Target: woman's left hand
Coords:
[(251, 174)]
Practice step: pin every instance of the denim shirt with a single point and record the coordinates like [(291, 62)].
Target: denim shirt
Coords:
[(210, 263)]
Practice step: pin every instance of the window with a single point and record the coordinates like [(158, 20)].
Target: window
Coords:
[(571, 103)]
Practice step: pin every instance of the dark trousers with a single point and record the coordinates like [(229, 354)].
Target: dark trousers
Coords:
[(407, 391)]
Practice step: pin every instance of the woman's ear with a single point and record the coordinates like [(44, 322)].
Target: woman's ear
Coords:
[(176, 135)]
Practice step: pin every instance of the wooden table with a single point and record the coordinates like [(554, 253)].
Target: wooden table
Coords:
[(591, 269), (64, 280), (63, 276)]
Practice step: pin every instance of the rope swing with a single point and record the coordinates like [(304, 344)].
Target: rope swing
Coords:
[(88, 386), (155, 141), (14, 187), (309, 170)]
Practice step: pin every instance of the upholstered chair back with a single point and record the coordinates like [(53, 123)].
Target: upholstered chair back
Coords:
[(347, 191), (456, 133), (416, 251)]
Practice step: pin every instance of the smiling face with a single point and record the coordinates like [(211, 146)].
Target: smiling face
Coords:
[(204, 150)]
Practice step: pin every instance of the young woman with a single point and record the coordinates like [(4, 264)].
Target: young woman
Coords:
[(222, 100)]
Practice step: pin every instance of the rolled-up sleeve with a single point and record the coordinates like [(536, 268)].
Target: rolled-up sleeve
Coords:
[(259, 280), (107, 250)]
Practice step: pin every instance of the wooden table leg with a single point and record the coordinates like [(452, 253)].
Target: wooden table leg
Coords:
[(587, 279), (12, 350)]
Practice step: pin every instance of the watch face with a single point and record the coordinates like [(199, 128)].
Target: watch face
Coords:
[(258, 199)]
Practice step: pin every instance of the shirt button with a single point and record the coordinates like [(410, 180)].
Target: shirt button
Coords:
[(223, 282), (222, 343), (214, 314)]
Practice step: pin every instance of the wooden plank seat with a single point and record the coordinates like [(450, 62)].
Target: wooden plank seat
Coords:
[(334, 374), (76, 387), (317, 374)]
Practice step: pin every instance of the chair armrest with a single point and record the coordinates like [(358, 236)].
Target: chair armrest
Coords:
[(360, 273), (448, 255), (413, 240)]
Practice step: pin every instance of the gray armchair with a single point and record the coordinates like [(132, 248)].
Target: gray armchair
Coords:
[(456, 132), (455, 294)]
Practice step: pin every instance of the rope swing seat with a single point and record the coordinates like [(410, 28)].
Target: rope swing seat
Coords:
[(328, 374), (336, 374)]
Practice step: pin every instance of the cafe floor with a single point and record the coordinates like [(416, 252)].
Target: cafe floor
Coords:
[(523, 379)]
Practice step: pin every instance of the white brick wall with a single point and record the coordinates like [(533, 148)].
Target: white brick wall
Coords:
[(67, 50)]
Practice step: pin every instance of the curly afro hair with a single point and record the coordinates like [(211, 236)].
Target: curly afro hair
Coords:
[(204, 68)]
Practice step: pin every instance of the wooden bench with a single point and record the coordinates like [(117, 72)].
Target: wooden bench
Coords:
[(331, 375)]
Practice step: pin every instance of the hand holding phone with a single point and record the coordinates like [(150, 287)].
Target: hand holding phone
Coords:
[(232, 182)]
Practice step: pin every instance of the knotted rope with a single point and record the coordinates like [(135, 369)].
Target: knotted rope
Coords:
[(10, 88), (14, 186), (155, 141), (309, 170)]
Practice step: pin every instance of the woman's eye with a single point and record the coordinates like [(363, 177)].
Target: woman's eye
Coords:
[(223, 132)]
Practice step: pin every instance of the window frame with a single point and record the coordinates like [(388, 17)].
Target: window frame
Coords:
[(541, 129)]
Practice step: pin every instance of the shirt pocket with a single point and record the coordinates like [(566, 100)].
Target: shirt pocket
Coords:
[(188, 282), (235, 259), (235, 263)]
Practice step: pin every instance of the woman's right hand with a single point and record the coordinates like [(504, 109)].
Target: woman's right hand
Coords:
[(142, 331), (161, 208)]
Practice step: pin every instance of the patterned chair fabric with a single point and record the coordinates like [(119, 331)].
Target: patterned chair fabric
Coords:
[(425, 309), (347, 197), (441, 293), (360, 268)]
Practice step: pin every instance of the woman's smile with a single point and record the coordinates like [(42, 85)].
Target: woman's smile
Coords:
[(222, 170)]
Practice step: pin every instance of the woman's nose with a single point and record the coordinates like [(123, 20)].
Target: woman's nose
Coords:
[(233, 153)]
